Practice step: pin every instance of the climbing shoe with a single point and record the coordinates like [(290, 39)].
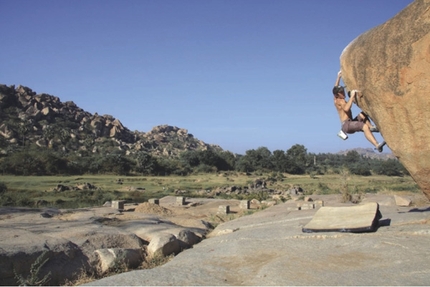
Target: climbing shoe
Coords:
[(374, 129), (380, 146)]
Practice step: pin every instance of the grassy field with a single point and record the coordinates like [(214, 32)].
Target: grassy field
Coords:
[(26, 190)]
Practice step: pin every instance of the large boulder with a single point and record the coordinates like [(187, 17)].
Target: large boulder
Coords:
[(65, 260), (164, 245), (390, 64), (119, 259)]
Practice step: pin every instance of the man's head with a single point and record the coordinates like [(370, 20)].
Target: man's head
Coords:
[(338, 90)]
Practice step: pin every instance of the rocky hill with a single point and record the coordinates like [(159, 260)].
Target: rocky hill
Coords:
[(27, 118)]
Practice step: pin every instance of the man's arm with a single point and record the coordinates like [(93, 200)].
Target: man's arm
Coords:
[(339, 75), (348, 105)]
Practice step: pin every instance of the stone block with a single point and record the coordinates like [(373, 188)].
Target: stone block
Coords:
[(154, 201), (244, 204), (224, 209), (402, 201), (118, 204), (358, 218), (180, 200), (318, 203), (305, 206)]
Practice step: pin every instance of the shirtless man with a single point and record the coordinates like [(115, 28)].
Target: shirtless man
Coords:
[(359, 123)]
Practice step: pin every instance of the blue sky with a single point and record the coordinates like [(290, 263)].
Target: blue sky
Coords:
[(241, 74)]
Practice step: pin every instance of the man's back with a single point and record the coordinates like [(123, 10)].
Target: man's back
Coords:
[(340, 107)]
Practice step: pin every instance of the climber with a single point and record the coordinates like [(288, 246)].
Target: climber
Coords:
[(359, 123)]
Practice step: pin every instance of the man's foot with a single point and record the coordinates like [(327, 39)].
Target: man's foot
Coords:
[(380, 146), (374, 129)]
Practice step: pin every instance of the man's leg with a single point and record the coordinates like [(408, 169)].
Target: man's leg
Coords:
[(371, 138), (355, 126), (365, 119)]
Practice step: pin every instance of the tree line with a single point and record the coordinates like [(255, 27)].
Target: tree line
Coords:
[(295, 160)]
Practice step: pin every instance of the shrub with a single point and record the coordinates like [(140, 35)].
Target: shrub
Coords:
[(3, 188), (33, 278)]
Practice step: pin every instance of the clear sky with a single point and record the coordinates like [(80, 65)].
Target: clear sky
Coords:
[(241, 74)]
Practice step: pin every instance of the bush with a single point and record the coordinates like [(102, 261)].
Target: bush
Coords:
[(204, 168), (33, 279), (390, 167), (3, 188), (360, 169)]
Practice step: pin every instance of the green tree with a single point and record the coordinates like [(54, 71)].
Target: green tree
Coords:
[(244, 164), (296, 159), (360, 168), (390, 167), (144, 162), (213, 159), (3, 188), (96, 164), (190, 158), (52, 163), (352, 157), (3, 142), (48, 132), (229, 159), (264, 158), (208, 157), (279, 160), (115, 163), (23, 162), (259, 159), (165, 166), (23, 129)]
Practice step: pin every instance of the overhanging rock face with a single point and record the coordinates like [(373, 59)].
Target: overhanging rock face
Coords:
[(390, 64)]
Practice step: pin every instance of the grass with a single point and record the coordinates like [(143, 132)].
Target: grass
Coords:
[(120, 267), (26, 190), (33, 279), (109, 182)]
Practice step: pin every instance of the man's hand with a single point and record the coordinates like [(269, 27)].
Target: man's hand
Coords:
[(355, 93), (339, 75)]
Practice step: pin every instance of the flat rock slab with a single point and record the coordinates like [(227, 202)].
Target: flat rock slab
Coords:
[(268, 248), (359, 218)]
